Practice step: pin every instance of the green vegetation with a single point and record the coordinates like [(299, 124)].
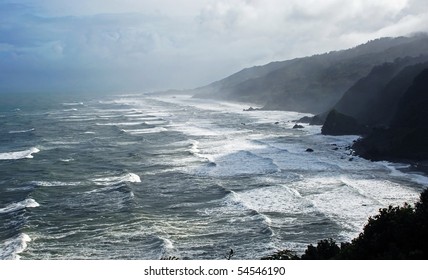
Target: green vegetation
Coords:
[(394, 233)]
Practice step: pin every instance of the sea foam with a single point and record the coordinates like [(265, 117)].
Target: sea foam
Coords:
[(15, 206), (73, 104), (12, 247), (237, 164), (395, 171), (129, 177), (144, 130), (19, 155), (21, 131)]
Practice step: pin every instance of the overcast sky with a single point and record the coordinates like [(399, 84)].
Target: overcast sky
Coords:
[(130, 45)]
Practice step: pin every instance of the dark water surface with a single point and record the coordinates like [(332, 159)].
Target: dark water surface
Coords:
[(141, 177)]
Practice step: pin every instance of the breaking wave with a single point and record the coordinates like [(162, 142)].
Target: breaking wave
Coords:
[(15, 206), (19, 154)]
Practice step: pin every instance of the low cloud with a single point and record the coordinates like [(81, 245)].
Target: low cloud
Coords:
[(150, 45)]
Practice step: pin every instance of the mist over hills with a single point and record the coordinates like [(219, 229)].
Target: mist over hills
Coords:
[(373, 100), (312, 84), (388, 108), (406, 136), (377, 90)]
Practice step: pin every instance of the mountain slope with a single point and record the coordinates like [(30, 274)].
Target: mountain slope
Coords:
[(311, 84), (407, 136), (374, 99)]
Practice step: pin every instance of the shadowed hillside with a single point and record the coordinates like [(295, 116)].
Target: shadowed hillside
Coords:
[(407, 135), (311, 84), (374, 100)]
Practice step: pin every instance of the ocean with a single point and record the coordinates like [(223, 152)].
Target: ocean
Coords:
[(140, 176)]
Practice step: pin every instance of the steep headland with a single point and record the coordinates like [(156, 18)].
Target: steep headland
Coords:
[(388, 108), (407, 135), (373, 101)]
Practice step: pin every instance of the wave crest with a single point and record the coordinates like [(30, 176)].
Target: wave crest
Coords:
[(14, 246), (21, 131), (15, 206), (19, 154), (129, 177)]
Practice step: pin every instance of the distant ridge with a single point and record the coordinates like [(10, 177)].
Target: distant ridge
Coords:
[(311, 84)]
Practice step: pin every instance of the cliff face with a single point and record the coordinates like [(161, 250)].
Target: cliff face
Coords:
[(339, 124), (414, 104), (311, 84), (407, 135), (374, 100)]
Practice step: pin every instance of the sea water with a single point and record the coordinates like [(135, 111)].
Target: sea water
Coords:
[(144, 177)]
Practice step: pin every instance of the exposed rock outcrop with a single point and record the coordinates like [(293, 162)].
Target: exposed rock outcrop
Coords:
[(340, 124)]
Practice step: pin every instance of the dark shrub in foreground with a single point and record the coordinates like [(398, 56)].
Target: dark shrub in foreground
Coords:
[(394, 233)]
